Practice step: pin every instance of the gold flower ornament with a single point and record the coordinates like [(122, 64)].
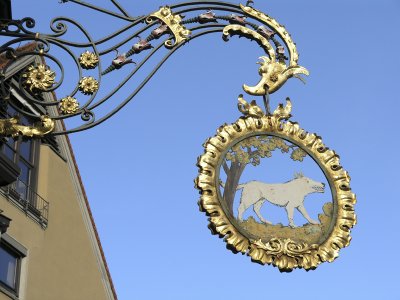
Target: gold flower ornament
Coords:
[(88, 60), (68, 105), (38, 78), (88, 85)]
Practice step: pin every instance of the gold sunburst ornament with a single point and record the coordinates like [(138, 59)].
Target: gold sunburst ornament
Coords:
[(88, 85), (38, 78), (68, 105), (88, 60), (234, 194)]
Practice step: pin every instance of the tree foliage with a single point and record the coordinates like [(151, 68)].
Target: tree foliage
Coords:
[(252, 149)]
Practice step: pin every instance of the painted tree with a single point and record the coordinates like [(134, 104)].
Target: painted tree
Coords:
[(250, 151)]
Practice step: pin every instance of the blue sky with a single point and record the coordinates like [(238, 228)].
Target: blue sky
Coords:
[(139, 166)]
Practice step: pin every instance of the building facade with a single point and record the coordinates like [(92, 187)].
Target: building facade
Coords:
[(49, 246)]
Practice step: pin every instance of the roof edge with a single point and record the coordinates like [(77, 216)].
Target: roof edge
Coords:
[(90, 213)]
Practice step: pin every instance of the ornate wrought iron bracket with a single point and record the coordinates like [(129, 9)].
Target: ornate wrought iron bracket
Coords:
[(166, 29), (30, 76)]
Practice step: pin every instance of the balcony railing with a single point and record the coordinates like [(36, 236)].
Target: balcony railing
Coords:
[(28, 201)]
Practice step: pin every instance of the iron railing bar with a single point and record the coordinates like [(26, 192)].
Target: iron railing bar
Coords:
[(128, 77), (137, 90), (152, 24), (121, 84), (105, 11), (132, 36), (121, 9), (205, 3), (138, 67), (190, 9), (100, 41), (30, 201)]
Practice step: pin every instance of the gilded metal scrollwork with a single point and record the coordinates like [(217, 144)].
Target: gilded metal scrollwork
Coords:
[(274, 72), (11, 127), (280, 29), (175, 30), (135, 43), (231, 30), (173, 22)]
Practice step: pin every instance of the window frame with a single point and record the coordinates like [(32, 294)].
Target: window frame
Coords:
[(28, 200), (19, 252), (18, 159)]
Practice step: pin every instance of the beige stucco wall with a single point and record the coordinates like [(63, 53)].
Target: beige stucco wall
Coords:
[(62, 262)]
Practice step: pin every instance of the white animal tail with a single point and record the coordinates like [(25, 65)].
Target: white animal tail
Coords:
[(240, 186)]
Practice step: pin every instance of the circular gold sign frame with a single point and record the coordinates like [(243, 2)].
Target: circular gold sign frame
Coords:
[(285, 254)]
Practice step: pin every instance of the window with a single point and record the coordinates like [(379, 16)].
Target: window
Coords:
[(10, 266), (22, 152)]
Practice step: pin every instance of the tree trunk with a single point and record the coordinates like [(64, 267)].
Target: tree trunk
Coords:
[(232, 181)]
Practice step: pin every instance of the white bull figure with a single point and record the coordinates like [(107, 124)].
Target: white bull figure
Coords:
[(289, 195)]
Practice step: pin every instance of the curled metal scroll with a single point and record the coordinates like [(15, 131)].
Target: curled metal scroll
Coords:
[(166, 29)]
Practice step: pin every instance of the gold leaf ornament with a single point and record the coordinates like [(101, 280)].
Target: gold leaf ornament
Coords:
[(38, 78), (69, 105), (88, 60), (88, 85)]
